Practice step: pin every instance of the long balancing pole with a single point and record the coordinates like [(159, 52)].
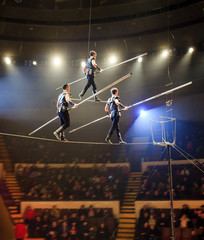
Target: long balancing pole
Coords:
[(36, 130), (85, 125), (171, 192), (85, 100), (161, 94), (105, 88), (138, 103), (118, 64)]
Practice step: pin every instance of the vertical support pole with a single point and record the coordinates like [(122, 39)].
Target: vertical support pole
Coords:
[(171, 192)]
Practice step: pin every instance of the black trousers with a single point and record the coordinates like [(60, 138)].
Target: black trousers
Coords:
[(90, 82), (115, 126), (64, 119)]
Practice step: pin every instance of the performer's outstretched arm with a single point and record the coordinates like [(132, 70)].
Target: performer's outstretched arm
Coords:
[(120, 104), (85, 70), (68, 99), (96, 66)]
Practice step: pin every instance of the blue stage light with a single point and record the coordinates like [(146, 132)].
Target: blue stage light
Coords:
[(142, 113)]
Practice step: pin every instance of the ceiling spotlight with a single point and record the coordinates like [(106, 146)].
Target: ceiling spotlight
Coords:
[(83, 64), (7, 60), (142, 113), (34, 63), (165, 53), (112, 59), (57, 61), (140, 59), (191, 49)]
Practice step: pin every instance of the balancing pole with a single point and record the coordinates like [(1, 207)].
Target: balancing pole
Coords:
[(85, 100), (118, 64), (135, 104), (105, 88)]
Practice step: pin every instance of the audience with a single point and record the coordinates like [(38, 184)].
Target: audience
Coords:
[(20, 230), (188, 183), (71, 224), (154, 224), (72, 184)]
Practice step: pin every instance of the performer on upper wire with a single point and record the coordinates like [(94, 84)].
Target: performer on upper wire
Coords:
[(113, 104), (63, 106), (89, 71)]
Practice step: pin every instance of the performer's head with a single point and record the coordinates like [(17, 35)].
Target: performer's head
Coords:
[(66, 87), (92, 53), (114, 91)]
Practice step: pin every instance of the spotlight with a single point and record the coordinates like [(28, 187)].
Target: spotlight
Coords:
[(56, 61), (7, 60), (142, 113), (112, 59), (165, 53), (140, 59), (191, 49), (83, 64), (35, 63)]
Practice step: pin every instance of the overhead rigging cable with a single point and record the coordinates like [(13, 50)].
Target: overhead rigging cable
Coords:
[(85, 100), (89, 31), (175, 147), (135, 104), (115, 65), (188, 154)]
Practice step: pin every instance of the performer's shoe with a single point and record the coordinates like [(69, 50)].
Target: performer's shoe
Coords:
[(108, 140), (97, 99), (81, 96), (122, 142), (57, 135), (64, 140)]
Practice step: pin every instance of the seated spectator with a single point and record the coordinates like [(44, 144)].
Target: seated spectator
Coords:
[(163, 221), (45, 224), (91, 212), (53, 231), (82, 211), (55, 212), (64, 231), (92, 233), (200, 222), (84, 229), (185, 222), (29, 215), (102, 233), (73, 218), (144, 231), (73, 233), (36, 227), (143, 219), (152, 220), (185, 210), (153, 232), (20, 230), (143, 210)]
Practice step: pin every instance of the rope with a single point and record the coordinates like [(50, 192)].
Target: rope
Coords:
[(89, 32), (71, 142), (175, 147)]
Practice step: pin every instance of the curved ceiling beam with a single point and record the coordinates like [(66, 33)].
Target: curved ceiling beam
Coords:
[(131, 16), (122, 36)]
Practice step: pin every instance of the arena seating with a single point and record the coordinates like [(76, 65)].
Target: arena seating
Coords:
[(72, 183), (187, 179), (188, 223), (45, 223)]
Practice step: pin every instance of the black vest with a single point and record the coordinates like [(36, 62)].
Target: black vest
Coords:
[(90, 67)]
